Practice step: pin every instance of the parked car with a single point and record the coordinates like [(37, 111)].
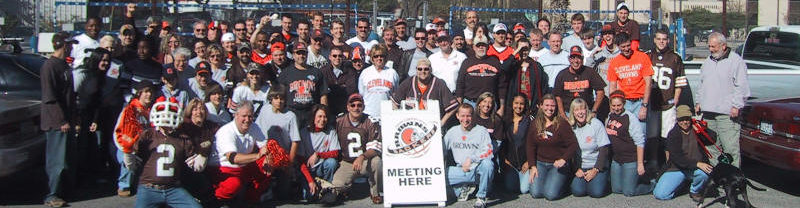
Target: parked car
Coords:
[(771, 132), (22, 144)]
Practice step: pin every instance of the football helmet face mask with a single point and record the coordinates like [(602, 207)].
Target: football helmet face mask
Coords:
[(166, 113)]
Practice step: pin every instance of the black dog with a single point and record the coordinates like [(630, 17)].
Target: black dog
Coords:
[(731, 179)]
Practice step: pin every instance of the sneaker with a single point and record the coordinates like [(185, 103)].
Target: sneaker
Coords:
[(465, 192), (55, 202), (123, 193), (697, 197), (480, 203)]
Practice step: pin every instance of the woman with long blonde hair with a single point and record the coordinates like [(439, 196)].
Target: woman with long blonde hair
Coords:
[(591, 175)]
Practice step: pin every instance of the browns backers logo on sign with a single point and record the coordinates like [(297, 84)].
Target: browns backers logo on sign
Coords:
[(412, 138)]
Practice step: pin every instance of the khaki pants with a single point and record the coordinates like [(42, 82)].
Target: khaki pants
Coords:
[(727, 138), (343, 178)]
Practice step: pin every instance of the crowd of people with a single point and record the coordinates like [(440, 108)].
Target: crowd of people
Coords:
[(241, 113)]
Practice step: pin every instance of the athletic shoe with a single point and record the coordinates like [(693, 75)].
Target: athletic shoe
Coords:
[(480, 203), (465, 192)]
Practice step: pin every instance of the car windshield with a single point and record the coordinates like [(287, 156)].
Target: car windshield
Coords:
[(773, 46)]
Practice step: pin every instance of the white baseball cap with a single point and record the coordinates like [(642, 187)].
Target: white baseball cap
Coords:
[(430, 26), (227, 37), (622, 5), (498, 27)]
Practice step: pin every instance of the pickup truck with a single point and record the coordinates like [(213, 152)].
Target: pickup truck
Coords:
[(770, 119)]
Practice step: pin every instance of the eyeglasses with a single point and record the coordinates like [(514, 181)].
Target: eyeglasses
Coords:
[(423, 68), (356, 105), (379, 56), (242, 29), (199, 30), (420, 38), (363, 27), (337, 55)]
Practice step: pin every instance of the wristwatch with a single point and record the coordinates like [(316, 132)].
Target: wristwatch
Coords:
[(644, 104)]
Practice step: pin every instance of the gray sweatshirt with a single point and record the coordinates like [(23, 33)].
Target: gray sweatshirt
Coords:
[(723, 84), (474, 144)]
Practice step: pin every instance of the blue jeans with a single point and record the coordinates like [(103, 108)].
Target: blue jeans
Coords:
[(595, 188), (326, 169), (634, 108), (549, 183), (625, 178), (516, 180), (172, 197), (485, 172), (670, 181), (58, 165), (125, 175)]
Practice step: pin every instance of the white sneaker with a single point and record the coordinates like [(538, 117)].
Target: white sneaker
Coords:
[(465, 192), (480, 203)]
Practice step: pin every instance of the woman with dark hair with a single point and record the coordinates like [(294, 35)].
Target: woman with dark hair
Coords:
[(321, 149), (320, 137), (88, 81), (551, 144), (513, 153), (217, 112), (135, 117)]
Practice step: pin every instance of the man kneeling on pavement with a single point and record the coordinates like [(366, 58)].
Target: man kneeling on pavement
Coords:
[(472, 152)]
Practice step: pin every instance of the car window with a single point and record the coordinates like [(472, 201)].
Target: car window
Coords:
[(773, 46), (17, 81)]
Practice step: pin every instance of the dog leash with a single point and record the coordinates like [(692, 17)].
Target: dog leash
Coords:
[(700, 127)]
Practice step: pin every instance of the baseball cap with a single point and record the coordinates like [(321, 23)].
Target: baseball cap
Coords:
[(169, 73), (519, 28), (277, 46), (575, 51), (63, 37), (244, 47), (228, 37), (144, 84), (165, 25), (438, 20), (499, 27), (203, 68), (213, 25), (480, 41), (355, 97), (400, 21), (253, 67), (683, 112), (606, 29), (430, 27), (442, 36), (300, 46), (317, 35), (622, 5), (358, 53)]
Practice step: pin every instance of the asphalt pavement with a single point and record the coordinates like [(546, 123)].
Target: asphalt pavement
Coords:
[(27, 189)]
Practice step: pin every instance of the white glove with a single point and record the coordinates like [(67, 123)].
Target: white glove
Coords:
[(196, 162), (131, 161), (374, 145)]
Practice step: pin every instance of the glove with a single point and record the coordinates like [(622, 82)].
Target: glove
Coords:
[(131, 161), (199, 163)]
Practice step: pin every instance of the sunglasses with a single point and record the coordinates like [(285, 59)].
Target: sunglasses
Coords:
[(198, 30), (420, 38), (239, 29), (423, 68), (379, 56), (337, 55), (356, 105)]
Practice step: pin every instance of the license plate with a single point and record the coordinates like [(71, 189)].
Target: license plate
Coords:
[(766, 128)]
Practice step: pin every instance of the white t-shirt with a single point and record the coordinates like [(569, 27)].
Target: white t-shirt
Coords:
[(553, 64), (259, 97), (447, 68), (229, 139), (280, 126), (84, 42), (536, 54), (375, 87)]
